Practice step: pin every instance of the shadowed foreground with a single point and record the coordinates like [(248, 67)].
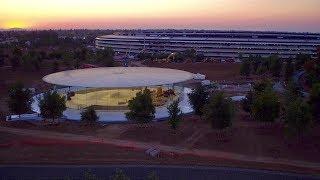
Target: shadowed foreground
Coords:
[(142, 172)]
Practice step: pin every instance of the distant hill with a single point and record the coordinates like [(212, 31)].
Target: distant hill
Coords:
[(13, 29)]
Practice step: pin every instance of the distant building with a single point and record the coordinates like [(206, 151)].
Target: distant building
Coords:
[(213, 44), (9, 40)]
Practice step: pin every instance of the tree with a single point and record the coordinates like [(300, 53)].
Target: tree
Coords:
[(288, 70), (52, 105), (81, 54), (312, 72), (31, 61), (144, 56), (245, 68), (88, 175), (16, 58), (262, 69), (265, 106), (68, 58), (261, 86), (36, 63), (42, 55), (141, 107), (200, 57), (17, 52), (275, 65), (198, 98), (175, 114), (56, 54), (26, 62), (300, 60), (20, 99), (315, 101), (256, 61), (119, 175), (89, 116), (2, 116), (153, 176), (55, 66), (190, 54), (258, 88), (106, 56), (179, 57), (219, 111), (2, 57), (298, 117), (292, 93), (247, 102)]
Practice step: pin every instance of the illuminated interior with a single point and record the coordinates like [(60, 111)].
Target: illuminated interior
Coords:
[(116, 99)]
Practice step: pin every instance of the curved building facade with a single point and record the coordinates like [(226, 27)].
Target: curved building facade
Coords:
[(213, 44)]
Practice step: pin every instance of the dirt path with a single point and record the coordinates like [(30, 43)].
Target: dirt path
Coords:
[(163, 148), (189, 143)]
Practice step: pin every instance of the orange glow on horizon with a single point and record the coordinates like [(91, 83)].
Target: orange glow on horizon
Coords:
[(295, 15), (15, 24)]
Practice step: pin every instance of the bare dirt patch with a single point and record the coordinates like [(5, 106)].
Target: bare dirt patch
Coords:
[(160, 133), (246, 137), (67, 126), (31, 150), (213, 71)]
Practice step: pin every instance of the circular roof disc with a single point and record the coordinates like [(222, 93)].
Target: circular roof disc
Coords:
[(118, 77)]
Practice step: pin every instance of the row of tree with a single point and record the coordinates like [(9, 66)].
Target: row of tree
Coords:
[(142, 110), (299, 113), (272, 65), (51, 104), (173, 57), (277, 67), (262, 103), (215, 108), (32, 59)]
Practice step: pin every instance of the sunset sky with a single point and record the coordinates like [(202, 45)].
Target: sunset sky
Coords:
[(280, 15)]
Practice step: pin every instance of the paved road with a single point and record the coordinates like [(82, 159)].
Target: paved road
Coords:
[(140, 172)]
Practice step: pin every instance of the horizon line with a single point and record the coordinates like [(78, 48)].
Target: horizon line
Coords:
[(136, 29)]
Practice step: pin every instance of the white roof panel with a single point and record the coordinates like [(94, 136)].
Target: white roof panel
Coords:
[(118, 77)]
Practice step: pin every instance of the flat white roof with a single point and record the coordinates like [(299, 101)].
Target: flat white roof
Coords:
[(118, 77)]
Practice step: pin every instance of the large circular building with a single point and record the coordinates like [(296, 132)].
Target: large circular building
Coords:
[(109, 90)]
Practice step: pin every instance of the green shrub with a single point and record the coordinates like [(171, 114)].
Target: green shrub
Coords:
[(141, 107), (198, 98), (275, 65), (258, 88), (20, 99), (119, 175), (89, 116), (219, 111), (266, 106), (315, 101), (298, 117), (288, 70), (247, 102), (52, 105), (174, 114), (153, 176), (245, 68)]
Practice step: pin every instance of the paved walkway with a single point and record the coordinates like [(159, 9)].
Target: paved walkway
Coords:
[(163, 148), (137, 64)]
